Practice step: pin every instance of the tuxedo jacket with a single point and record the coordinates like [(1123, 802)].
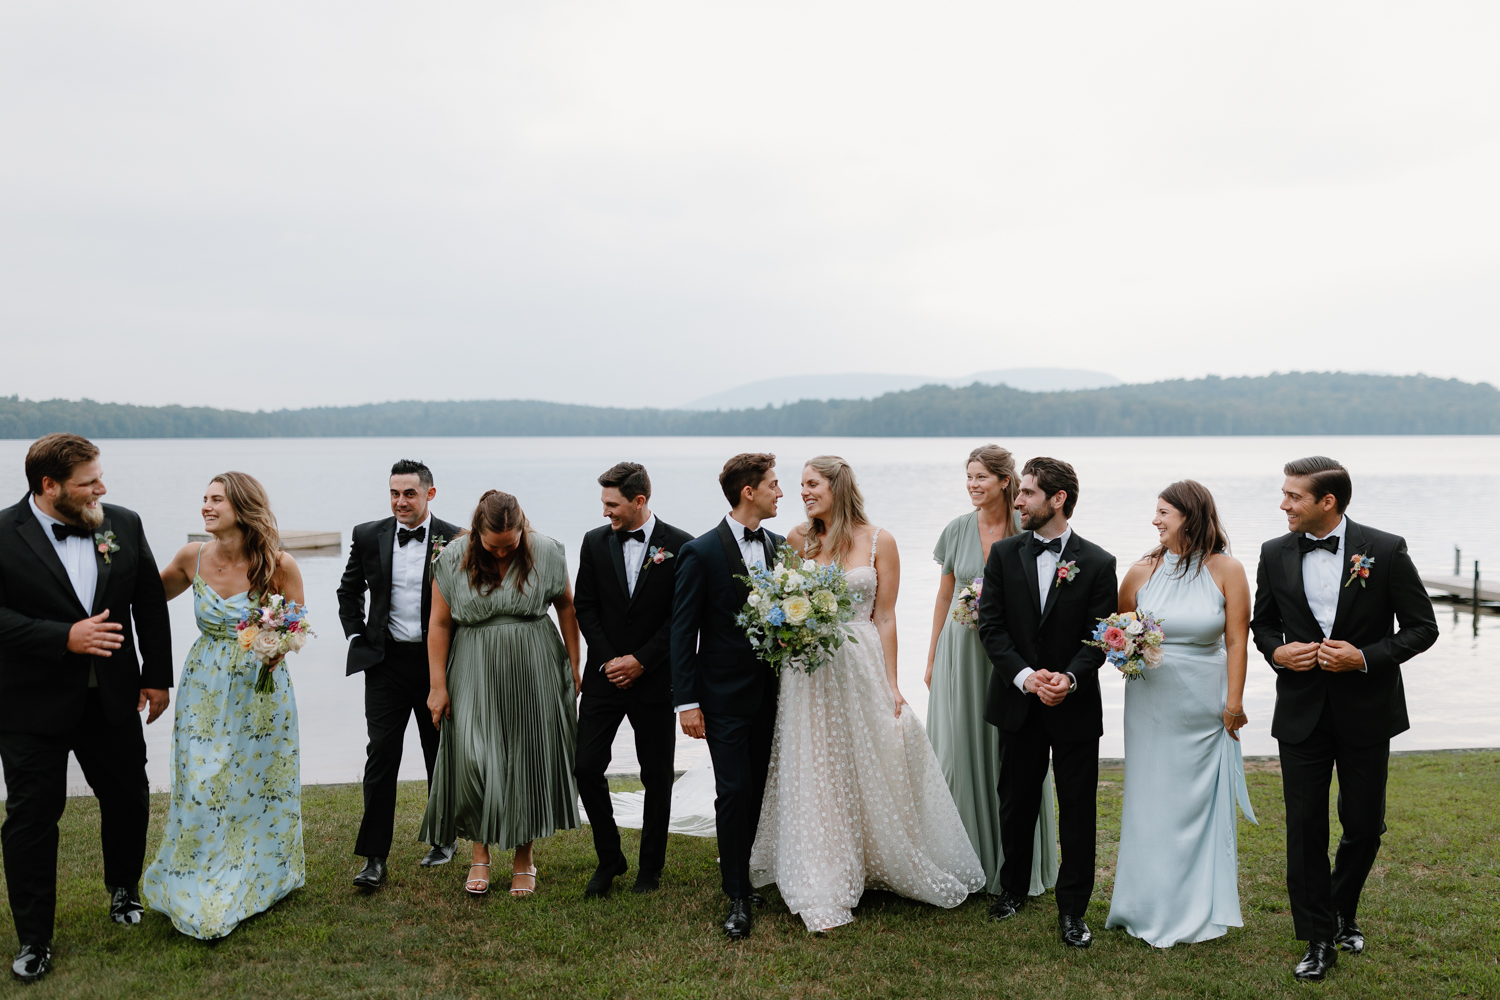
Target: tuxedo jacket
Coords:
[(713, 663), (1018, 631), (615, 622), (369, 568), (1367, 706), (42, 685)]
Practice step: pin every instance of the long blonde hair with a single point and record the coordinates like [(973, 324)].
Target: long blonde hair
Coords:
[(846, 508), (252, 513), (1001, 464)]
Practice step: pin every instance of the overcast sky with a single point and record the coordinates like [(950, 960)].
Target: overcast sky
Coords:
[(293, 204)]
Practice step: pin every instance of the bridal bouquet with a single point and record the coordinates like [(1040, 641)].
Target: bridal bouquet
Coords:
[(795, 614), (966, 611), (1131, 641), (270, 632)]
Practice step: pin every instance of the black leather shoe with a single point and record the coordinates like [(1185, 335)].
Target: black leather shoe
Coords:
[(1320, 957), (1006, 906), (372, 875), (124, 906), (646, 882), (32, 962), (1349, 937), (737, 923), (1075, 933), (604, 878), (755, 899), (439, 855)]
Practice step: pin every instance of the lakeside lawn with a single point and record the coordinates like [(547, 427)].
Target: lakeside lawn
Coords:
[(1431, 913)]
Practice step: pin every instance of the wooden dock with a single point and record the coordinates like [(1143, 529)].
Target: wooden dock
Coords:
[(1462, 587), (292, 541)]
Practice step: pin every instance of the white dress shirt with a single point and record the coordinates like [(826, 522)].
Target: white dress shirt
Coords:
[(1323, 578), (753, 553), (79, 561), (1046, 579), (635, 554), (408, 562)]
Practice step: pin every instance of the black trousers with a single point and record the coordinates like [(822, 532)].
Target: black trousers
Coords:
[(1318, 894), (113, 758), (740, 746), (394, 690), (1075, 774), (655, 747)]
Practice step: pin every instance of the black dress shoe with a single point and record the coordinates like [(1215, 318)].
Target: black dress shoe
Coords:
[(1075, 933), (1349, 937), (32, 962), (1320, 957), (755, 899), (604, 878), (372, 875), (125, 906), (737, 923), (646, 882), (1006, 906), (439, 855)]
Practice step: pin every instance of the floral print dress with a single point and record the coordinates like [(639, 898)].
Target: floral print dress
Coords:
[(233, 842)]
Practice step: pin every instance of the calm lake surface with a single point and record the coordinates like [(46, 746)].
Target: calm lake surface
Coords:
[(1436, 491)]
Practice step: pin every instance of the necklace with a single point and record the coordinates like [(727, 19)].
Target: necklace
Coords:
[(220, 567)]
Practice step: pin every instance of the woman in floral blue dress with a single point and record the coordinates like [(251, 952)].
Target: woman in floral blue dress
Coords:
[(233, 843)]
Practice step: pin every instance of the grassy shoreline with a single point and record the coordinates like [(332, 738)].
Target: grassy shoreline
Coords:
[(1431, 911)]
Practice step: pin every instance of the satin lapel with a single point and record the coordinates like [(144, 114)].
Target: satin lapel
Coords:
[(737, 567), (617, 556), (31, 530), (103, 565), (427, 575), (657, 538), (1291, 568), (1354, 544), (385, 544), (768, 544), (1070, 549), (1028, 563)]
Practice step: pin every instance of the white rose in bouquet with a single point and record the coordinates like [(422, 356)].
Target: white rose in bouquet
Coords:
[(267, 643), (1135, 628), (797, 609), (295, 641), (793, 581), (1152, 655)]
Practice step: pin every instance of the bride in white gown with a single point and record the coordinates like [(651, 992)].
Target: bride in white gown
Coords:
[(855, 798)]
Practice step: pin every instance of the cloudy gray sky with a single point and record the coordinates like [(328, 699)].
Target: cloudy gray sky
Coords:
[(287, 204)]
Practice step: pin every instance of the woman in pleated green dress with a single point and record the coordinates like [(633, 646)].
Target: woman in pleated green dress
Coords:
[(958, 675), (503, 688)]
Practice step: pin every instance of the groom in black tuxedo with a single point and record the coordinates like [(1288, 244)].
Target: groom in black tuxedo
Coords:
[(1328, 595), (627, 574), (723, 692), (392, 559), (1044, 591), (74, 573)]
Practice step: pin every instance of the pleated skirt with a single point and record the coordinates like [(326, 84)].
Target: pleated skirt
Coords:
[(504, 772)]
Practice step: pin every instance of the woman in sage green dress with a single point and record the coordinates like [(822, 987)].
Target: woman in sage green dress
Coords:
[(958, 675), (503, 690)]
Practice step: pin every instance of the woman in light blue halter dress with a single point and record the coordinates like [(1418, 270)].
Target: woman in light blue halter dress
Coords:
[(1176, 877)]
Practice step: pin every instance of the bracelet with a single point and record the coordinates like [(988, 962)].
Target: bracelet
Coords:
[(1234, 715)]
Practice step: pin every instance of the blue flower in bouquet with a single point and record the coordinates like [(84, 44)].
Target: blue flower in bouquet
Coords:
[(795, 611), (776, 616)]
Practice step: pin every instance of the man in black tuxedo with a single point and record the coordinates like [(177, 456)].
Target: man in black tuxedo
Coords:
[(724, 692), (1044, 591), (1327, 596), (392, 558), (74, 573), (627, 573)]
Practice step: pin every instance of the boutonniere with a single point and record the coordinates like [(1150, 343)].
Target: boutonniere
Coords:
[(1359, 568), (106, 544), (1066, 571), (439, 543), (658, 554)]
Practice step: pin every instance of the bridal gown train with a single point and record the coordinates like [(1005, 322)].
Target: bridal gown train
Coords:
[(855, 798)]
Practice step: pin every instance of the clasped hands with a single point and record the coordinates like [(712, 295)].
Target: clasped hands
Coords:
[(623, 671), (1050, 686), (1332, 655)]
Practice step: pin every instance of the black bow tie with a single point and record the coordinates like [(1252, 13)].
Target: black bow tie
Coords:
[(639, 534), (1040, 545), (1306, 545), (758, 535), (62, 531), (407, 534)]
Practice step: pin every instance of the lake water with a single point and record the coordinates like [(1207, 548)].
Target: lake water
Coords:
[(1436, 491)]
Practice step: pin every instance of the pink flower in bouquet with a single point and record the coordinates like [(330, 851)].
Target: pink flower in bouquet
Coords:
[(1114, 637)]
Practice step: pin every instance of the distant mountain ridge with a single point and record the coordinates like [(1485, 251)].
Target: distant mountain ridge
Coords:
[(869, 385), (1294, 403)]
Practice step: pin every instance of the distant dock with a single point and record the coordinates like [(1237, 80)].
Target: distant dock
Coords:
[(293, 541), (1462, 587)]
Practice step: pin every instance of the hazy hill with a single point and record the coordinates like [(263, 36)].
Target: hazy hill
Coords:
[(868, 385)]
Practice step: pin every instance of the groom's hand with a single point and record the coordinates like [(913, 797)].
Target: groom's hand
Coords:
[(622, 671), (95, 636), (157, 699), (692, 722), (1297, 656), (1337, 656)]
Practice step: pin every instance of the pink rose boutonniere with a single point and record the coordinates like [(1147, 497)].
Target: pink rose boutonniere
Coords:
[(1359, 568), (439, 543), (1066, 571), (658, 554), (105, 542)]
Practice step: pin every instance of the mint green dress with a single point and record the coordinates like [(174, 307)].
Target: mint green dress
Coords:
[(233, 842), (967, 747), (504, 773)]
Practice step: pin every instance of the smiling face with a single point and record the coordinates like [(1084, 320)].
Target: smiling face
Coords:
[(624, 515), (817, 493), (1303, 513), (1168, 523), (985, 488), (409, 500), (501, 544), (1037, 509), (762, 499), (218, 512), (77, 500)]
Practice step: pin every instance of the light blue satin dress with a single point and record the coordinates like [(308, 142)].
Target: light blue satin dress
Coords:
[(1175, 880)]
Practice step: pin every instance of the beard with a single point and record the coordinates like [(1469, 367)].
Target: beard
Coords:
[(1037, 518), (77, 512)]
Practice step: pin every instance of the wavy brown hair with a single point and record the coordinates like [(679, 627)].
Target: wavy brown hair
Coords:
[(497, 512), (1202, 532), (1001, 464), (252, 514), (846, 508)]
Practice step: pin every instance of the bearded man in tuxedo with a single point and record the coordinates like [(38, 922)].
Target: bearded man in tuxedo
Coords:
[(75, 573), (1329, 596)]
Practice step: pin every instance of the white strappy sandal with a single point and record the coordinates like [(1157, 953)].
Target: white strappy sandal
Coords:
[(482, 883)]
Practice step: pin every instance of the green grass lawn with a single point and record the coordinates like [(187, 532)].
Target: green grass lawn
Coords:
[(1431, 912)]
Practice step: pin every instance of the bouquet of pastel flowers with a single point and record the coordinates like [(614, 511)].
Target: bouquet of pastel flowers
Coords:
[(1131, 641), (270, 632), (966, 611), (796, 611)]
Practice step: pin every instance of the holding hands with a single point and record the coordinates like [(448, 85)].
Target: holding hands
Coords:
[(1332, 655), (1049, 685)]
